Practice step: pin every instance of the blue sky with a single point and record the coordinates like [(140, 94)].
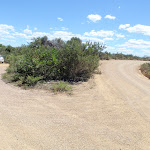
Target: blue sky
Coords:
[(123, 25)]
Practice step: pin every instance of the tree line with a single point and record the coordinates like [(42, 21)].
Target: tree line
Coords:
[(44, 59)]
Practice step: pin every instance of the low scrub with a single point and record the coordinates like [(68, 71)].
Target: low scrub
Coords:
[(61, 87), (44, 60), (145, 69)]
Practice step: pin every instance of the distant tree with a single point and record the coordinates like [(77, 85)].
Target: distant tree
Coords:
[(36, 42), (1, 45), (58, 43), (99, 47), (44, 40), (9, 49)]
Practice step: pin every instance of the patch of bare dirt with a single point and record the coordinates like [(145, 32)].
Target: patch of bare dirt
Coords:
[(110, 111)]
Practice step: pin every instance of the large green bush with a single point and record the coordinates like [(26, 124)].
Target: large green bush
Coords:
[(35, 62), (70, 61), (77, 61)]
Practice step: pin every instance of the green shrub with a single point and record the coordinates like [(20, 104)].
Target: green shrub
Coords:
[(61, 87), (70, 61), (31, 81), (7, 77), (77, 61), (145, 69)]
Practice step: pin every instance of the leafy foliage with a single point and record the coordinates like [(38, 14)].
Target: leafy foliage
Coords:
[(43, 60), (77, 60), (145, 69), (70, 61)]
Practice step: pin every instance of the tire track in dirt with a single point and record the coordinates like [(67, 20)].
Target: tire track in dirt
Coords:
[(110, 111)]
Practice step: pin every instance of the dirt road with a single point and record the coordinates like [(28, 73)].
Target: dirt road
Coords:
[(110, 112)]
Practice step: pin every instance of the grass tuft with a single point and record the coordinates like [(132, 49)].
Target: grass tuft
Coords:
[(61, 87)]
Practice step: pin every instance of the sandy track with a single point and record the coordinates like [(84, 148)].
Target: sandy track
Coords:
[(110, 112)]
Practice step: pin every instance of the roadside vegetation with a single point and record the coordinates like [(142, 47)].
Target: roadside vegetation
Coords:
[(145, 69), (45, 60), (61, 87), (119, 56)]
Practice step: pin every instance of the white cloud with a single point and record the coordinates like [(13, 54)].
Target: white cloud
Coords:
[(100, 33), (146, 51), (110, 17), (8, 36), (20, 35), (124, 26), (6, 31), (64, 28), (143, 29), (138, 44), (92, 39), (111, 48), (108, 39), (5, 27), (119, 50), (60, 19), (28, 34), (40, 34), (139, 29), (102, 36), (35, 28), (62, 34), (124, 50), (120, 36), (94, 18), (27, 31), (3, 39)]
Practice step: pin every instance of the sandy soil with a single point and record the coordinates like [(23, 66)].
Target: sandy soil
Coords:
[(110, 112)]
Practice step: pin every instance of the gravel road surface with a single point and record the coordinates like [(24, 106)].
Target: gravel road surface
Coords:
[(109, 112)]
